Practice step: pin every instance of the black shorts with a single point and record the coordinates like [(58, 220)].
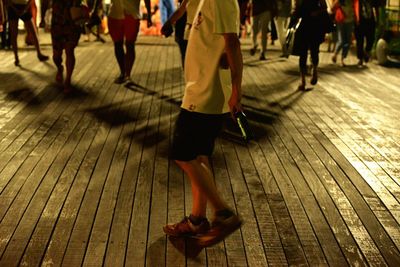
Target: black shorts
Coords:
[(195, 134), (12, 14)]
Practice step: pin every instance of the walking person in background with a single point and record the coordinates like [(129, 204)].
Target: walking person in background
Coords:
[(44, 5), (282, 21), (185, 12), (167, 8), (5, 35), (22, 9), (366, 14), (123, 26), (262, 13), (344, 17), (213, 47), (65, 35), (311, 34)]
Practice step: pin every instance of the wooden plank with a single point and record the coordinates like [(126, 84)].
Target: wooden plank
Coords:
[(30, 187), (354, 176), (119, 232), (255, 254), (137, 242), (80, 236), (69, 213)]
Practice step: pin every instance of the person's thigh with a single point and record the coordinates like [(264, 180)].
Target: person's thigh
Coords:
[(194, 135), (131, 28), (116, 29)]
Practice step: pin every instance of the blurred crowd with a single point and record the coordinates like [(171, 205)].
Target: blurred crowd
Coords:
[(353, 21)]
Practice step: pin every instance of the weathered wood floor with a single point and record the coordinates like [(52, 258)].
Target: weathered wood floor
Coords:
[(85, 180)]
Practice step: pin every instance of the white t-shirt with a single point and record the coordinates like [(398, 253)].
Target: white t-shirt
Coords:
[(191, 8), (208, 87), (119, 8)]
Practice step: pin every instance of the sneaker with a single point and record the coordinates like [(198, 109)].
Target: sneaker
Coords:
[(186, 228), (220, 229), (262, 56)]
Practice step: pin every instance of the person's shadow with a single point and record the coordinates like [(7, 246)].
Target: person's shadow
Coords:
[(186, 246)]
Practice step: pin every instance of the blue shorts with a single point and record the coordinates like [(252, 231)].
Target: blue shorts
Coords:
[(195, 134)]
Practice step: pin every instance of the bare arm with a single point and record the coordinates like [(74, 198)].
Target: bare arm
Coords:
[(178, 13), (148, 8), (235, 62), (167, 27)]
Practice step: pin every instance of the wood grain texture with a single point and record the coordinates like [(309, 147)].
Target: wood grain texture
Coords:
[(86, 179)]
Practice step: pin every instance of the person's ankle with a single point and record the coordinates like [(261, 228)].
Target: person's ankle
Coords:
[(196, 220)]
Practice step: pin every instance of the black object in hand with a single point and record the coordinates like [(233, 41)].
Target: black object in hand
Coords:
[(243, 125), (167, 29)]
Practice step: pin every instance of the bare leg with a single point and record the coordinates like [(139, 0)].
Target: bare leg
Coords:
[(202, 181), (130, 57), (14, 36), (30, 28), (199, 207), (70, 64), (120, 56), (57, 58)]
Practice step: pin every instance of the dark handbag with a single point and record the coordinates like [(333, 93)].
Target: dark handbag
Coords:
[(291, 36), (327, 22)]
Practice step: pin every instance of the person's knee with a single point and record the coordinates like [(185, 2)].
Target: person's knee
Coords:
[(119, 44), (130, 45), (70, 51)]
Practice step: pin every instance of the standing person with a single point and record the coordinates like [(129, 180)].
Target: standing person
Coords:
[(213, 45), (167, 8), (344, 26), (65, 35), (5, 34), (262, 13), (123, 26), (186, 12), (44, 5), (311, 34), (281, 22), (366, 13), (21, 9), (28, 37)]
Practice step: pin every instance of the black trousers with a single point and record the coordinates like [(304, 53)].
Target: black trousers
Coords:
[(365, 30)]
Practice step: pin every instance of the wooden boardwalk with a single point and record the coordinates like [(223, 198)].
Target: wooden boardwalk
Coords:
[(85, 180)]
